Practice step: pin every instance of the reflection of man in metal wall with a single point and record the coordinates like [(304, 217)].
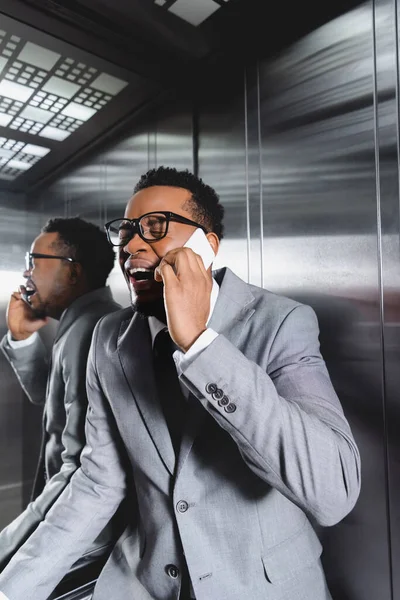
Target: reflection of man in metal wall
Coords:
[(66, 273), (230, 469)]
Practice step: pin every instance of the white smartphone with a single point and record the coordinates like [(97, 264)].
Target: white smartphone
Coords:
[(199, 243)]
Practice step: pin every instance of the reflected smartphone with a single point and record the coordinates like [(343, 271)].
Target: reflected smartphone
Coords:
[(199, 243)]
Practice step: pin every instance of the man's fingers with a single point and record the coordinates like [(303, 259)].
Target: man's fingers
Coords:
[(16, 294), (184, 258), (164, 272), (200, 263)]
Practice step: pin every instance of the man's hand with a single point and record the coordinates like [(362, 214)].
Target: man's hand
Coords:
[(21, 320), (187, 291)]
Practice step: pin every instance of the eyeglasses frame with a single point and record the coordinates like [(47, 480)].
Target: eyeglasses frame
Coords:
[(30, 255), (170, 216)]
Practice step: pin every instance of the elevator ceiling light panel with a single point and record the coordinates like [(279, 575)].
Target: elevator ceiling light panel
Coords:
[(46, 95), (16, 157), (192, 11)]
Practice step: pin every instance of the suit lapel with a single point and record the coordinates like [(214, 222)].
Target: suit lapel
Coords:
[(79, 306), (232, 311), (136, 358), (230, 316)]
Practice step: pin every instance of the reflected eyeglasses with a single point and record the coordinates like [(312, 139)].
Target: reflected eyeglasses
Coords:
[(151, 227), (30, 256)]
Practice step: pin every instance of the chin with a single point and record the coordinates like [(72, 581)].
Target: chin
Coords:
[(40, 312), (149, 307)]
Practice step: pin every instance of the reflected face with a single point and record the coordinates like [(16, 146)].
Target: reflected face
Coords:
[(138, 254), (49, 279)]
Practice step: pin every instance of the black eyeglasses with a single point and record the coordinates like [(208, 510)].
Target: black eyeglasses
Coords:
[(29, 256), (151, 227)]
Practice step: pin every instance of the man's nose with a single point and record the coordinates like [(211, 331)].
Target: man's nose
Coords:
[(26, 273), (135, 244)]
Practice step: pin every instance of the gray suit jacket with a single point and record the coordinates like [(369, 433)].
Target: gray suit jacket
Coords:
[(248, 483), (61, 387)]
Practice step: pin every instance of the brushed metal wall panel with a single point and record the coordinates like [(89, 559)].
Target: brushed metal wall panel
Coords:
[(320, 247), (19, 421), (174, 135), (254, 175), (222, 159), (387, 133)]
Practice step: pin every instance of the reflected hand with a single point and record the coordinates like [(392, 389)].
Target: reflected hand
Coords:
[(21, 320), (187, 291)]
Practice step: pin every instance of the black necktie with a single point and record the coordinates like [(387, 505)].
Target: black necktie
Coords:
[(170, 394)]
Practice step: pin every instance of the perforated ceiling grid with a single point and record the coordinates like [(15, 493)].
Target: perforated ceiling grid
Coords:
[(47, 95)]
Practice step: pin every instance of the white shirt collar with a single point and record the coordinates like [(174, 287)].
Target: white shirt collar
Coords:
[(156, 326)]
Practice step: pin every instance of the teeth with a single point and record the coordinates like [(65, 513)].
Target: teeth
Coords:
[(139, 270)]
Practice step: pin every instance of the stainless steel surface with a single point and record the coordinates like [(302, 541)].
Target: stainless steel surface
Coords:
[(18, 421), (387, 157)]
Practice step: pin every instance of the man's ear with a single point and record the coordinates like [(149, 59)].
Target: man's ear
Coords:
[(214, 241), (76, 273)]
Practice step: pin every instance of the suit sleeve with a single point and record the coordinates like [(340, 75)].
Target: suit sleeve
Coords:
[(74, 363), (82, 510), (286, 418), (30, 364)]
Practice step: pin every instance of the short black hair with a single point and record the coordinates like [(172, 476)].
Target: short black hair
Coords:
[(87, 244), (204, 203)]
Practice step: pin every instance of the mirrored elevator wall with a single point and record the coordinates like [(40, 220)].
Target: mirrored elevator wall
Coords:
[(16, 223), (303, 150)]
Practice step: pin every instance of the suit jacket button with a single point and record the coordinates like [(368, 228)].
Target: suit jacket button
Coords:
[(230, 408), (217, 395), (172, 571), (182, 506), (211, 388), (224, 401)]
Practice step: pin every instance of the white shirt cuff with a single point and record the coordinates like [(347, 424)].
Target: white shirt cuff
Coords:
[(183, 360), (20, 344), (2, 596)]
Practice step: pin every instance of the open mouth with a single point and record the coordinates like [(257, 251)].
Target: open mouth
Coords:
[(29, 290), (141, 274)]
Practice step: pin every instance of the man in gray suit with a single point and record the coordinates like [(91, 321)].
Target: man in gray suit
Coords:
[(66, 273), (222, 501)]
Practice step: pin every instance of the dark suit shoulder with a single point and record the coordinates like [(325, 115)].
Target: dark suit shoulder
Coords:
[(108, 329), (112, 321), (90, 314)]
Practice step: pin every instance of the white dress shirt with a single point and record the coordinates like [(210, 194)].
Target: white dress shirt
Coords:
[(20, 344)]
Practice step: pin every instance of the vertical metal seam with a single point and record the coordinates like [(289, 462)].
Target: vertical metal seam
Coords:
[(148, 150), (195, 138), (105, 166), (65, 200), (246, 147), (101, 203), (260, 172), (396, 25), (155, 144), (380, 284)]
